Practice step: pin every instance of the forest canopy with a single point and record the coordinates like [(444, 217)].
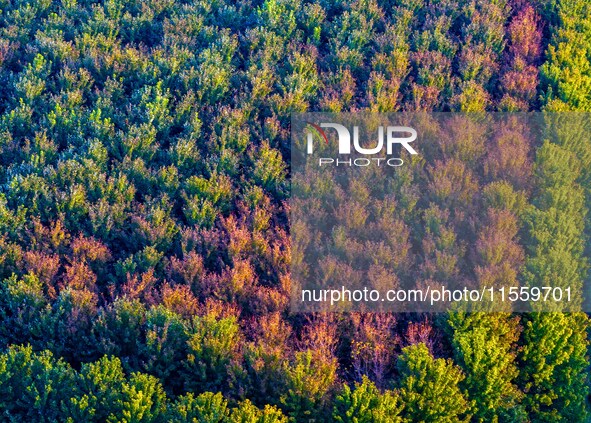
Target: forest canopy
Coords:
[(144, 203)]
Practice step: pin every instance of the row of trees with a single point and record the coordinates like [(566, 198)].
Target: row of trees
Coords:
[(556, 370), (39, 387)]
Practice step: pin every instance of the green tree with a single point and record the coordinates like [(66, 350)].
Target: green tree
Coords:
[(205, 408), (485, 348), (429, 388), (142, 400), (554, 367), (567, 71), (366, 404), (119, 331), (100, 384), (212, 350), (34, 386), (309, 379), (22, 305), (165, 347), (246, 412)]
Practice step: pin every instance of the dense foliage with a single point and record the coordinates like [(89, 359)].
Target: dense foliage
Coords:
[(144, 248)]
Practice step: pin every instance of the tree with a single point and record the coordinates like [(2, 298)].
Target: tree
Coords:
[(429, 388), (212, 350), (566, 73), (485, 348), (34, 386), (100, 385), (246, 412), (308, 378), (519, 79), (205, 408), (165, 347), (119, 331), (142, 400), (554, 367), (366, 404), (23, 305)]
